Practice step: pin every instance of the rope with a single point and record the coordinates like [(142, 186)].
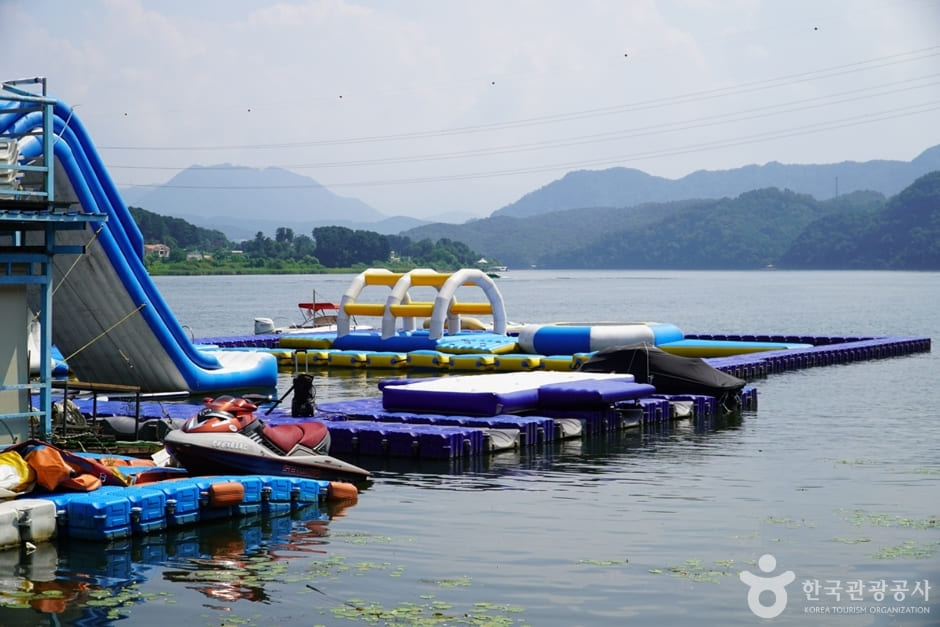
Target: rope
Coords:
[(66, 125), (106, 331), (78, 258), (65, 275)]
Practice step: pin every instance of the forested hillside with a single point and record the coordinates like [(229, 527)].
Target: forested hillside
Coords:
[(521, 242), (177, 233), (902, 235), (194, 250), (753, 230)]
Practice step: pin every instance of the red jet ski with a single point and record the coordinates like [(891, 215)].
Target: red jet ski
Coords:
[(226, 437)]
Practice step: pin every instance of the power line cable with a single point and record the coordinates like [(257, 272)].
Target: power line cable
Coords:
[(657, 103)]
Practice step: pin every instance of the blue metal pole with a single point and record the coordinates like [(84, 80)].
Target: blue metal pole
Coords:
[(45, 335)]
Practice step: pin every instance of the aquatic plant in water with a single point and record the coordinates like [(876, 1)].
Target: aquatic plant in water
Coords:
[(695, 570), (907, 550), (429, 611), (429, 614), (859, 517), (597, 562)]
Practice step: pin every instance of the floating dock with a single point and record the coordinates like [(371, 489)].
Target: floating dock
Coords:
[(451, 419), (114, 512), (377, 427)]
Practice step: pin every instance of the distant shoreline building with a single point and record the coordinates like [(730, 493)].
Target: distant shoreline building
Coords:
[(161, 250)]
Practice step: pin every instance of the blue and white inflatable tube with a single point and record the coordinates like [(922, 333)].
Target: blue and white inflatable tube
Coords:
[(571, 338)]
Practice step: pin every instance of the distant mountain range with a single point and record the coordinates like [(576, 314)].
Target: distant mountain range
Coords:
[(240, 201), (624, 187)]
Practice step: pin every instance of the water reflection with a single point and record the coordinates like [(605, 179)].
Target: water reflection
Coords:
[(590, 455), (83, 582)]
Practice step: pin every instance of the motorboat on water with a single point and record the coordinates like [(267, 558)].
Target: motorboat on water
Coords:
[(227, 437), (315, 316)]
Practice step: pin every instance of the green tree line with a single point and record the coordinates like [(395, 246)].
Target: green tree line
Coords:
[(195, 250)]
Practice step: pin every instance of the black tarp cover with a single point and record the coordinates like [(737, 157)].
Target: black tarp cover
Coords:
[(669, 374)]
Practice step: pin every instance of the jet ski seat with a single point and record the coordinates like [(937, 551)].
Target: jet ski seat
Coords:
[(311, 435)]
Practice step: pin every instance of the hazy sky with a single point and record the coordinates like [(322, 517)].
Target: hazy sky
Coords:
[(420, 107)]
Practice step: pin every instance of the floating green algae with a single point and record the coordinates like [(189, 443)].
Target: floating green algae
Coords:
[(427, 611), (751, 536), (16, 600), (923, 471), (851, 540), (252, 572), (334, 566), (430, 614), (696, 570), (352, 537), (907, 550), (790, 523), (597, 562), (858, 462), (453, 582), (116, 602), (330, 567), (859, 517)]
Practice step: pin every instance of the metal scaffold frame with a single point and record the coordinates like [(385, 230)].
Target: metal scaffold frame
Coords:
[(28, 209)]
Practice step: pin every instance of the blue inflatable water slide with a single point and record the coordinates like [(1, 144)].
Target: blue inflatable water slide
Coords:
[(109, 320)]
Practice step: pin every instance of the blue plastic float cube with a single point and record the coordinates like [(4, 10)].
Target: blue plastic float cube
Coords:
[(103, 514), (276, 494), (253, 489), (306, 491), (148, 509), (182, 501)]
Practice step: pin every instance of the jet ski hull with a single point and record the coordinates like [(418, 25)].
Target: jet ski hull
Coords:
[(216, 453)]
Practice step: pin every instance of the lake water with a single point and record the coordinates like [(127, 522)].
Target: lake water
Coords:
[(836, 475)]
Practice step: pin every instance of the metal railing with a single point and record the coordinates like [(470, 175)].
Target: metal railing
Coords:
[(17, 101)]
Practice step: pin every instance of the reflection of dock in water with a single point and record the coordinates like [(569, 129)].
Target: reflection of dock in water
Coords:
[(225, 559)]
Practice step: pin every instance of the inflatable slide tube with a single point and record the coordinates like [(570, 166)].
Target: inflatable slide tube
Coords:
[(95, 199), (70, 133), (129, 266), (568, 339), (64, 121), (86, 183), (200, 371), (127, 242), (119, 210)]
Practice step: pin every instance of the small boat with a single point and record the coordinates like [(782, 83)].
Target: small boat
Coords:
[(315, 316), (226, 437)]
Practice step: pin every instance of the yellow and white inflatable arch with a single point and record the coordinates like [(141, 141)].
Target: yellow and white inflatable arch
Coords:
[(444, 309)]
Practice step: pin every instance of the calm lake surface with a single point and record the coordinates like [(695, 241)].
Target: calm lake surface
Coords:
[(836, 475)]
